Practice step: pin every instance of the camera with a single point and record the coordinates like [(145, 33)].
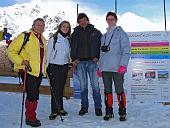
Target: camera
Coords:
[(105, 48)]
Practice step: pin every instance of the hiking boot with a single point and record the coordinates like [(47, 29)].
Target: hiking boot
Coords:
[(52, 116), (35, 123), (122, 114), (30, 113), (83, 111), (107, 117), (98, 111), (63, 112), (122, 118)]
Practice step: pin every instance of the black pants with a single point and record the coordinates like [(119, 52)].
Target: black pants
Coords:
[(32, 86), (57, 75), (109, 77)]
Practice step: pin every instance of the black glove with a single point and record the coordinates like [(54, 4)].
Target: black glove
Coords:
[(70, 65), (28, 67), (47, 70)]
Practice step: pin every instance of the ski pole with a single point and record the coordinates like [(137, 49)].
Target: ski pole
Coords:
[(55, 100), (23, 96)]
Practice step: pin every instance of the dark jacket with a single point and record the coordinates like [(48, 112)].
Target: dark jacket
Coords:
[(85, 43)]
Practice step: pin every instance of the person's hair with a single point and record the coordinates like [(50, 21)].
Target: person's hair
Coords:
[(55, 35), (38, 19), (111, 14), (82, 15)]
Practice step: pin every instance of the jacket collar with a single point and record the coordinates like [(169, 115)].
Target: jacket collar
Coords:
[(89, 27), (110, 29), (36, 34)]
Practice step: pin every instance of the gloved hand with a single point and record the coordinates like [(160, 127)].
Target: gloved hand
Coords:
[(27, 65), (99, 73), (122, 70), (70, 65), (48, 70)]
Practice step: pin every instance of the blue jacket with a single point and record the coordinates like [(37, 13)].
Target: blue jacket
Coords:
[(119, 53)]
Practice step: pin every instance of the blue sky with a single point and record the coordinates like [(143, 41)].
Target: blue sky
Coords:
[(146, 8), (6, 2), (151, 9)]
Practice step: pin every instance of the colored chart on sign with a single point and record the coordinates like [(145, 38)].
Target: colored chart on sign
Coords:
[(150, 50)]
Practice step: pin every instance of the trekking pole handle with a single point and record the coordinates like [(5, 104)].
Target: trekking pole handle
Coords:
[(28, 67)]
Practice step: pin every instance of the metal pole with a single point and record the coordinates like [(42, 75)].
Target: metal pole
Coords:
[(165, 13), (115, 6), (23, 97), (77, 13), (77, 9)]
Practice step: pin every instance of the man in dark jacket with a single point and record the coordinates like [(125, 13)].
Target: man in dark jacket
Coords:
[(85, 49)]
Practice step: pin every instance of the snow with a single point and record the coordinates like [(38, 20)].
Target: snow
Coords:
[(140, 115), (15, 80)]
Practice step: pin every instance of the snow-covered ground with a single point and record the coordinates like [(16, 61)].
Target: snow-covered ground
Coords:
[(140, 115)]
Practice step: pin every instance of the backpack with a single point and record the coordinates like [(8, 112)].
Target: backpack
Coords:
[(26, 39)]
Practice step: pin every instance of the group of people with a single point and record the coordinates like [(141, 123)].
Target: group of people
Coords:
[(87, 51)]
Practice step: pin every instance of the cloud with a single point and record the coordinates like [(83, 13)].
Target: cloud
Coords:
[(132, 23)]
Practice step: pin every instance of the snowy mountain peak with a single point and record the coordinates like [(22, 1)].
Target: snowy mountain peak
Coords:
[(19, 17)]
